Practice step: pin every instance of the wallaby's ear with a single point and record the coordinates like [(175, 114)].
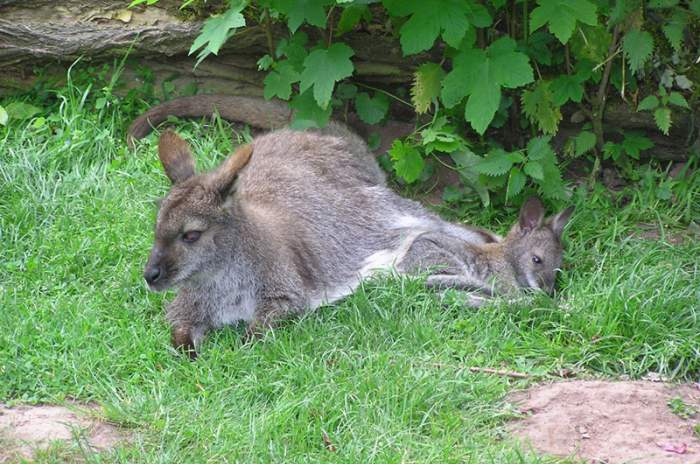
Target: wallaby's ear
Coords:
[(558, 221), (174, 154), (531, 214), (222, 178)]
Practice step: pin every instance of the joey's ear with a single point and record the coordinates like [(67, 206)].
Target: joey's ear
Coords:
[(558, 221), (531, 214), (222, 178), (174, 154)]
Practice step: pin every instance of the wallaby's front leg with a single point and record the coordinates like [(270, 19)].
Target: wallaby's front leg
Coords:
[(185, 334), (267, 315), (481, 294)]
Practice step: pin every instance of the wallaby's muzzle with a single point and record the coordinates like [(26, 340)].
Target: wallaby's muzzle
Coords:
[(155, 274)]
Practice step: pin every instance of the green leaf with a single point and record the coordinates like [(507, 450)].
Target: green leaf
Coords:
[(637, 46), (634, 144), (534, 170), (371, 110), (695, 7), (278, 82), (307, 113), (3, 116), (408, 163), (323, 68), (349, 18), (294, 49), (265, 62), (466, 162), (516, 182), (480, 74), (677, 99), (662, 116), (538, 148), (495, 163), (562, 15), (612, 151), (428, 20), (552, 186), (649, 103), (584, 142), (452, 194), (299, 11), (539, 107), (565, 88), (345, 91), (21, 110), (217, 29), (673, 29), (426, 86)]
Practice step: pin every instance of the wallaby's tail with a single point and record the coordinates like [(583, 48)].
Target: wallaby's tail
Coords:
[(247, 110)]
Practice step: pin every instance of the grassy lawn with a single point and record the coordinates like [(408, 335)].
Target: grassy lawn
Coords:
[(383, 376)]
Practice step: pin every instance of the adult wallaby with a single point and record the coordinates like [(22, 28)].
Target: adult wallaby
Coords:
[(269, 234)]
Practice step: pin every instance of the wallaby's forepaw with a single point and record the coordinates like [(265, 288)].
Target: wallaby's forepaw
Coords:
[(181, 338)]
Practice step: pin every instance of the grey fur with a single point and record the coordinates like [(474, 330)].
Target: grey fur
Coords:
[(305, 220)]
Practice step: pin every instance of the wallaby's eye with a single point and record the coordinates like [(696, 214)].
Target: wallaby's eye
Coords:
[(536, 259), (191, 236)]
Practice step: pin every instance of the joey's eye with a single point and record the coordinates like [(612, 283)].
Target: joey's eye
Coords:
[(536, 259), (191, 236)]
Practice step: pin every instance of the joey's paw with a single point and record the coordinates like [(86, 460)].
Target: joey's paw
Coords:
[(181, 339)]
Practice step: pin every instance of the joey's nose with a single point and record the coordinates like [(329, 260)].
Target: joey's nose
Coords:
[(152, 274)]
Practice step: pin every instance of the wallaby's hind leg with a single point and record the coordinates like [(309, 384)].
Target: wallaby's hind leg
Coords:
[(268, 314), (471, 293)]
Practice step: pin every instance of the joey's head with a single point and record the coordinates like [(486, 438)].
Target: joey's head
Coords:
[(192, 217), (533, 245)]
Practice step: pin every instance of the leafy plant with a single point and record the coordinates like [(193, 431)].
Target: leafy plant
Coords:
[(660, 103)]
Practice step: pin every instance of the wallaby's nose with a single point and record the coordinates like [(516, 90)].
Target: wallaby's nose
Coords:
[(152, 274)]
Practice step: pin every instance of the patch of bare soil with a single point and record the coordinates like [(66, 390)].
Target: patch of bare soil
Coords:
[(610, 422), (24, 429)]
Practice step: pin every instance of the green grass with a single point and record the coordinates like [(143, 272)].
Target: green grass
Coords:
[(384, 374)]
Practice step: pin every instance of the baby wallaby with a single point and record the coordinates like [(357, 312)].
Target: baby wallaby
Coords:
[(528, 257)]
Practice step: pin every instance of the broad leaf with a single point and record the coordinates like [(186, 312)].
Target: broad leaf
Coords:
[(408, 163), (216, 31), (562, 15), (480, 74), (565, 88), (428, 20), (371, 110), (307, 113), (634, 144), (323, 68), (21, 110), (466, 162), (637, 46), (278, 82), (349, 18), (299, 11)]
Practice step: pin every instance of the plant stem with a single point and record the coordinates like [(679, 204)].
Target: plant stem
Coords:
[(268, 33)]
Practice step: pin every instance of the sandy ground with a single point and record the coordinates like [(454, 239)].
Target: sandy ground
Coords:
[(23, 429), (610, 422)]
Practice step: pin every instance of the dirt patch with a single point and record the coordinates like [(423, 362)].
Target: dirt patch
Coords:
[(611, 422), (24, 429)]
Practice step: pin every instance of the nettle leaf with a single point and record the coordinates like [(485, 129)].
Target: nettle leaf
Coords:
[(540, 109), (480, 74), (426, 86), (634, 144), (584, 142), (565, 88), (552, 186), (323, 68), (677, 99), (428, 20), (673, 29), (300, 11), (496, 162), (278, 82), (662, 116), (217, 30), (307, 113), (441, 137), (562, 15), (408, 162), (516, 182), (637, 46), (371, 110), (538, 148), (649, 103), (466, 162), (534, 170), (612, 151)]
